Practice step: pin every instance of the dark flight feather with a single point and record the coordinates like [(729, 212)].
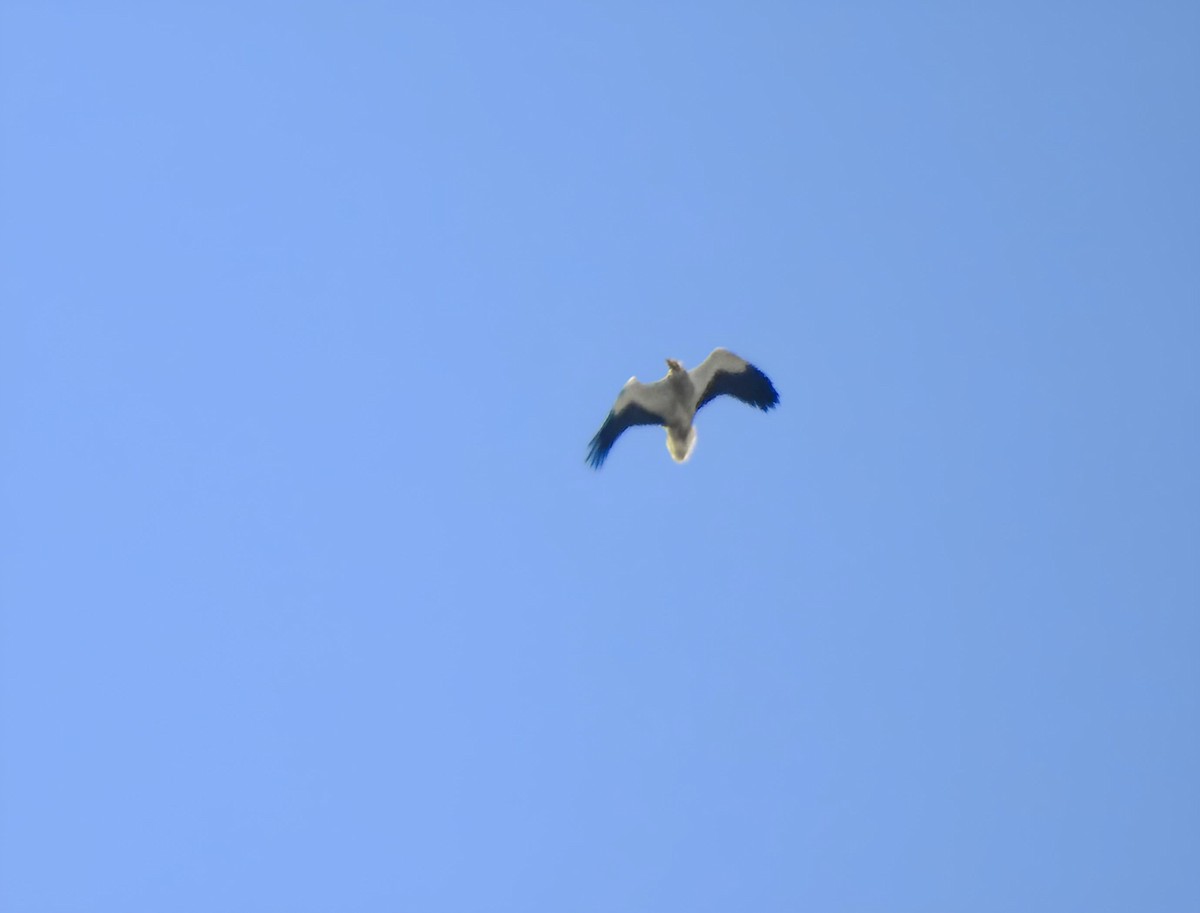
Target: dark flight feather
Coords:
[(749, 385), (612, 428)]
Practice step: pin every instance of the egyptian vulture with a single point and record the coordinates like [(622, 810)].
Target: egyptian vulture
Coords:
[(674, 401)]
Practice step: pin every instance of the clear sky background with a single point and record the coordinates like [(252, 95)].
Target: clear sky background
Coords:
[(310, 602)]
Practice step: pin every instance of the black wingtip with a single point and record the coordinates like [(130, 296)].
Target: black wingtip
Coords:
[(766, 396), (597, 449), (595, 457)]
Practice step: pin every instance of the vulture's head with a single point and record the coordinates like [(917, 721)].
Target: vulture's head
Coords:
[(673, 365)]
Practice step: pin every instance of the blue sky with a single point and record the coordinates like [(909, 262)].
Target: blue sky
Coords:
[(310, 602)]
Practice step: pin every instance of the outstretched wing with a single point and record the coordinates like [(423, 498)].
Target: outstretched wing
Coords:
[(637, 404), (723, 373)]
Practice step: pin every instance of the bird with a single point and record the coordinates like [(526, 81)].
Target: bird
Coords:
[(674, 401)]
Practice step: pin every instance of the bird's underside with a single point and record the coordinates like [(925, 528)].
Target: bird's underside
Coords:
[(673, 401)]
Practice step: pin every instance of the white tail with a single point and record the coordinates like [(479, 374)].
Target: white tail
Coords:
[(680, 445)]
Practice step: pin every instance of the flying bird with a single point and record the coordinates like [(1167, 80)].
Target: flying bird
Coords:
[(674, 401)]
